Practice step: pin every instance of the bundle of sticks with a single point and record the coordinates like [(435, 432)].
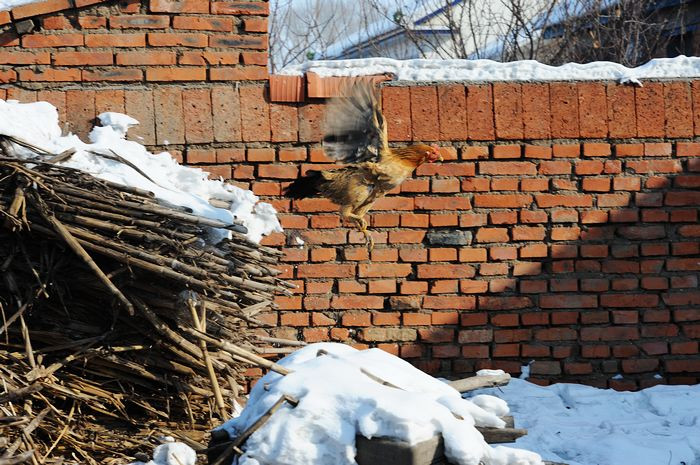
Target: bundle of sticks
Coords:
[(119, 323)]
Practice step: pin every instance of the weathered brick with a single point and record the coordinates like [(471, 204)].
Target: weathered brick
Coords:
[(452, 115), (226, 114), (480, 116), (140, 105), (255, 113), (424, 109)]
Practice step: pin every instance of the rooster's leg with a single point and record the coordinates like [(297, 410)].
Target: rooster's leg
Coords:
[(361, 225)]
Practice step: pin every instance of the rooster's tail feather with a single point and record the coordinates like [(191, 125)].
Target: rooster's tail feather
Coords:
[(306, 186)]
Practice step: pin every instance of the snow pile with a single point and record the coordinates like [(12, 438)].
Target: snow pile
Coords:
[(338, 400), (488, 70), (171, 453), (172, 183), (582, 425)]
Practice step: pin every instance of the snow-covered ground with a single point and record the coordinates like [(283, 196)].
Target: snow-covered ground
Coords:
[(488, 70), (569, 423), (582, 425), (37, 123)]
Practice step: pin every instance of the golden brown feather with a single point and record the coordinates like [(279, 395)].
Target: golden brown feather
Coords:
[(356, 134)]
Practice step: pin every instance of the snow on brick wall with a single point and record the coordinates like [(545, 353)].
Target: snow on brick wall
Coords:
[(133, 41)]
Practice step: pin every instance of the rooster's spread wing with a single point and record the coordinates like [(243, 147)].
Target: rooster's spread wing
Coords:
[(355, 130)]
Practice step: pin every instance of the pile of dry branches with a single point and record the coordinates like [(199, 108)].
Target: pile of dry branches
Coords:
[(119, 324)]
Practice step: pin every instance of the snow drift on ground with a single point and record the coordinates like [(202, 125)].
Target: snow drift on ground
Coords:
[(488, 70), (337, 401), (172, 183), (582, 425)]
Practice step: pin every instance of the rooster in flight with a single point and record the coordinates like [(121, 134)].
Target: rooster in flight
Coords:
[(355, 134)]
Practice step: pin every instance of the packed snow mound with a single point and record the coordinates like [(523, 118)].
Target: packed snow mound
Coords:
[(171, 453), (172, 183), (338, 401), (488, 70), (583, 425)]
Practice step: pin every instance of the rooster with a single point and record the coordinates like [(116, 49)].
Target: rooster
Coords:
[(355, 134)]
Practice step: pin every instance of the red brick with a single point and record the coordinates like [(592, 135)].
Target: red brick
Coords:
[(254, 58), (198, 115), (528, 233), (49, 75), (592, 108), (441, 203), (294, 319), (650, 110), (564, 103), (238, 73), (563, 200), (226, 114), (534, 185), (554, 167), (507, 151), (255, 113), (204, 58), (629, 150), (240, 8), (621, 111), (492, 235), (424, 111), (475, 335), (373, 270), (609, 334), (357, 301), (35, 9), (596, 184), (80, 104), (508, 111), (568, 301), (144, 58), (310, 122), (112, 75), (92, 22), (452, 115), (244, 41), (536, 111), (507, 168), (169, 116), (197, 23), (201, 156), (688, 149), (115, 40), (25, 58), (139, 22), (480, 117), (178, 6), (655, 166), (284, 122), (176, 74), (629, 300), (679, 111), (396, 104), (442, 271), (597, 150), (177, 39), (52, 40)]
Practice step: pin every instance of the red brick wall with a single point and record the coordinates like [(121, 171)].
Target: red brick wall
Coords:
[(561, 228)]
